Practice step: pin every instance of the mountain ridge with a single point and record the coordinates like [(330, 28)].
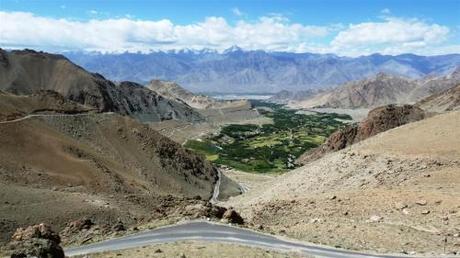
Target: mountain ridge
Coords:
[(378, 90), (255, 71), (198, 101)]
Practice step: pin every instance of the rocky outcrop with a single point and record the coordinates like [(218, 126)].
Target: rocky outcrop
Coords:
[(36, 241), (27, 71), (231, 216), (387, 117), (378, 120)]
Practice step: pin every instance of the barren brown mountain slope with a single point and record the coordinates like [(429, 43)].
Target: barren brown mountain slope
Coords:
[(28, 71), (56, 168), (376, 91), (382, 89), (436, 84), (398, 191), (441, 102)]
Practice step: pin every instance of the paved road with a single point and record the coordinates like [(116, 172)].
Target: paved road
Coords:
[(51, 115), (213, 232)]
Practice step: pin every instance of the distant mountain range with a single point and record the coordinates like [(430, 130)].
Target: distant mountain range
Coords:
[(239, 71)]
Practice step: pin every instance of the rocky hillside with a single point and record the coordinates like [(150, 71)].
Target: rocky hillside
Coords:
[(376, 91), (378, 120), (446, 100), (382, 89), (436, 84), (147, 105), (239, 71), (174, 91), (27, 71), (395, 192), (61, 161)]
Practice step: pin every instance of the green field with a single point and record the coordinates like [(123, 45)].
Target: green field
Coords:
[(270, 147)]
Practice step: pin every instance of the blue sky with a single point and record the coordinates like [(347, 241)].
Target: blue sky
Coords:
[(344, 27)]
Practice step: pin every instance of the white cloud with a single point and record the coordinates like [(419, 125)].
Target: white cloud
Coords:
[(273, 33), (237, 12), (20, 29), (392, 35)]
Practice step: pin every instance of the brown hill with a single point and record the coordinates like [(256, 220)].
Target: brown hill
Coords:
[(15, 106), (27, 71), (63, 163), (176, 92), (378, 120), (436, 84), (446, 100), (376, 91), (379, 90)]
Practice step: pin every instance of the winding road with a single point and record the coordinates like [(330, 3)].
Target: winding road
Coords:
[(50, 115), (213, 232)]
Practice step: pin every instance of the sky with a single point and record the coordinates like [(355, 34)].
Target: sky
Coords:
[(342, 27)]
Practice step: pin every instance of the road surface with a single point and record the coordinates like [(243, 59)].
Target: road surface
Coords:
[(51, 115), (213, 232)]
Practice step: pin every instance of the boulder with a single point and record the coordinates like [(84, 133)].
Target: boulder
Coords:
[(79, 225), (36, 241), (231, 216), (42, 231), (119, 226), (421, 202), (203, 209)]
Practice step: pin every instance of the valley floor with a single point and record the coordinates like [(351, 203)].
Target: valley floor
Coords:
[(181, 131)]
